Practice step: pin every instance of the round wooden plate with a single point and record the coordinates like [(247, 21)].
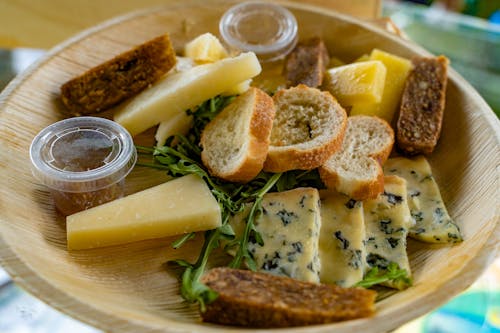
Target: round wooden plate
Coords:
[(127, 288)]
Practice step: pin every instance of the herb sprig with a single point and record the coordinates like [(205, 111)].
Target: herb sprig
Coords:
[(376, 276)]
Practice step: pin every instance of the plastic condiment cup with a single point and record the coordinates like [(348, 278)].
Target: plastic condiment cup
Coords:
[(268, 30), (83, 161)]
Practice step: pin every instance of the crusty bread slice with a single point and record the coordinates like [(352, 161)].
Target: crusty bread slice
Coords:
[(235, 143), (254, 299), (356, 169), (308, 128)]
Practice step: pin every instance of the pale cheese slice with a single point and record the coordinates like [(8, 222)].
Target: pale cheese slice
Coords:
[(178, 124), (205, 48), (289, 226), (387, 219), (341, 248), (179, 206), (433, 224), (184, 90)]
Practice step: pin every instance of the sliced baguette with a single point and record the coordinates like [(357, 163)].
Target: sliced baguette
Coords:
[(356, 169), (308, 128), (235, 143)]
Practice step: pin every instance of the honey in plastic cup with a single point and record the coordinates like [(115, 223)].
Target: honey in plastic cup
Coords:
[(83, 161)]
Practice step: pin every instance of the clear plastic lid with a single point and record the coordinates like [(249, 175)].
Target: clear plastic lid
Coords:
[(82, 154), (268, 30)]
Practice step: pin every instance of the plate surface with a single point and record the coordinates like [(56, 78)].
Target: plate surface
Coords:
[(127, 288)]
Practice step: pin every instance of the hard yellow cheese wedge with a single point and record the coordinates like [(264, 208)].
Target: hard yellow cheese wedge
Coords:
[(397, 72), (184, 90), (178, 124), (361, 82), (179, 206)]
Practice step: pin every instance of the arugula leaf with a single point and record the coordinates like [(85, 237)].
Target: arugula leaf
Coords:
[(393, 273)]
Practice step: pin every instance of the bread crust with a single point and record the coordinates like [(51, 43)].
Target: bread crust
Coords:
[(422, 106), (255, 299), (360, 189), (295, 157), (258, 140), (117, 79)]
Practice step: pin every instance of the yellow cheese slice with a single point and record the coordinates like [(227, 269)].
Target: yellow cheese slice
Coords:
[(184, 90), (205, 48), (178, 124), (341, 239), (179, 206), (397, 72), (361, 82)]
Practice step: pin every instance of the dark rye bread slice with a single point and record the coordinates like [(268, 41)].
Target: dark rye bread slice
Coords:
[(255, 299), (422, 106), (307, 63), (117, 79)]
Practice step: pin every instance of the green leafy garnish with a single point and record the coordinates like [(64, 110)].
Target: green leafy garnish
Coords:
[(181, 156), (376, 276)]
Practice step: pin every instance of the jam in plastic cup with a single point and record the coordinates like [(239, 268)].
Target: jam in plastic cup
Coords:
[(83, 161)]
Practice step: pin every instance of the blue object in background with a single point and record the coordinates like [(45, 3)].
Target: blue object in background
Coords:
[(472, 312)]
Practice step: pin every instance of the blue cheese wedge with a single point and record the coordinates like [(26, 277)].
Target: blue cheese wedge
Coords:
[(341, 249), (387, 219), (433, 224), (289, 226)]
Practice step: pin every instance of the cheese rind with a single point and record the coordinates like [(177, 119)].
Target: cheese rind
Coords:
[(289, 226), (184, 90), (433, 224), (341, 248), (387, 219), (179, 206)]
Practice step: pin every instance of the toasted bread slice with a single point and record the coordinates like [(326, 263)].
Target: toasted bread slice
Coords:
[(253, 299), (235, 143), (306, 64), (422, 106), (356, 169), (308, 128), (115, 80)]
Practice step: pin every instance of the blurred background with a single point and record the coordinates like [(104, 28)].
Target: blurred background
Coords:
[(466, 31)]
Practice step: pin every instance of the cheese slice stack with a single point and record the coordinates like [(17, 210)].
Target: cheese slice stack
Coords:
[(433, 224), (179, 206)]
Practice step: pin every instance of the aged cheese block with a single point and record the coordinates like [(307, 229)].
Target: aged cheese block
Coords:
[(433, 224), (289, 226), (397, 72), (179, 206), (184, 90), (360, 82), (341, 249), (387, 219)]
